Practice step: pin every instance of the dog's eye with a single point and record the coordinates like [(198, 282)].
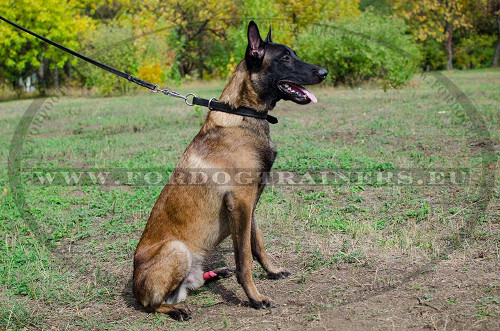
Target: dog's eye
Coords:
[(286, 57)]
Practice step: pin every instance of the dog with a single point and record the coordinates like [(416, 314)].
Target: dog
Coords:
[(188, 221)]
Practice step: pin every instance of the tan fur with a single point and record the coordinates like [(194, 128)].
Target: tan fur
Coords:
[(188, 221), (240, 91)]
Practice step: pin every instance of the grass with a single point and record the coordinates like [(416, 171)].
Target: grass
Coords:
[(92, 230)]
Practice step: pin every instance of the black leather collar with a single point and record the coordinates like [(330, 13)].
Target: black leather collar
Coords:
[(213, 104)]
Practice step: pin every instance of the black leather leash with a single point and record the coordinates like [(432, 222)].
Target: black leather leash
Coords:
[(212, 104)]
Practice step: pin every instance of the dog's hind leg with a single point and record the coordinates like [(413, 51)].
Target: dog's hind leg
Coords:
[(159, 282)]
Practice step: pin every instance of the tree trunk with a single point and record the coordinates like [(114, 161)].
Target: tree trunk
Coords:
[(200, 58), (56, 77), (295, 28), (68, 68), (40, 76), (494, 63), (449, 45)]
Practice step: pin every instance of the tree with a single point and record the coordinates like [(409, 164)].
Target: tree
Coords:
[(199, 27), (382, 7), (303, 13), (438, 19), (486, 20), (494, 64), (23, 54)]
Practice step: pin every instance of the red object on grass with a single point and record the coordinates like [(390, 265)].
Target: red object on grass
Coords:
[(209, 274)]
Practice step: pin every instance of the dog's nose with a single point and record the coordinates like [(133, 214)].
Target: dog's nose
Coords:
[(322, 73)]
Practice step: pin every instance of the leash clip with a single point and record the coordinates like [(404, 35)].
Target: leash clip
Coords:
[(174, 94)]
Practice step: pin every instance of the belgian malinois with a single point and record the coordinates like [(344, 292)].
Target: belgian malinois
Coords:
[(188, 221)]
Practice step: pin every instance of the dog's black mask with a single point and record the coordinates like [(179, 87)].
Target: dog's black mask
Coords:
[(276, 70)]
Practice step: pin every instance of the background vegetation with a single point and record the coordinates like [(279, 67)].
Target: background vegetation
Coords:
[(169, 41)]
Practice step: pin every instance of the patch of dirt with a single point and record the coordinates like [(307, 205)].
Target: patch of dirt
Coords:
[(77, 194), (393, 290)]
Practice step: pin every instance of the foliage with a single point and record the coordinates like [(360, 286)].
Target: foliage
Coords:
[(303, 13), (200, 27), (148, 57), (365, 48), (430, 18), (433, 55), (475, 51), (486, 14), (103, 47), (23, 54), (438, 19), (382, 7), (286, 20), (451, 22), (168, 40)]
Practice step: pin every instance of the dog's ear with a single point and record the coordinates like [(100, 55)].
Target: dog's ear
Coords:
[(268, 38), (255, 48)]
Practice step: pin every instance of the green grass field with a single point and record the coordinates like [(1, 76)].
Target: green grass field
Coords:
[(364, 255)]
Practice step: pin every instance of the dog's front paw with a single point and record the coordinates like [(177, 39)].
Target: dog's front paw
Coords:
[(278, 274), (262, 303)]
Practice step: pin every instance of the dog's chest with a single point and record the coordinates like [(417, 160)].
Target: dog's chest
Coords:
[(268, 155)]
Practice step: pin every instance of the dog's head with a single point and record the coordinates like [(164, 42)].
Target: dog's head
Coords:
[(277, 72)]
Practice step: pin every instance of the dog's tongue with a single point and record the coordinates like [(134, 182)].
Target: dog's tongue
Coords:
[(309, 94)]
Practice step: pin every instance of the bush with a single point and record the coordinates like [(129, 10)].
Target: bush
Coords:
[(368, 47), (104, 46), (475, 51), (149, 58), (433, 55)]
